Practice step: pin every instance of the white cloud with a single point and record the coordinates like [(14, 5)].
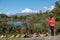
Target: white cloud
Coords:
[(52, 7), (27, 10), (7, 13), (47, 8), (0, 12), (11, 13)]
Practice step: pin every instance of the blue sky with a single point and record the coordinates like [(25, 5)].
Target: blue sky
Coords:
[(13, 6)]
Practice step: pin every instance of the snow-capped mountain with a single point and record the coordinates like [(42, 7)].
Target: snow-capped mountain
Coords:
[(25, 12)]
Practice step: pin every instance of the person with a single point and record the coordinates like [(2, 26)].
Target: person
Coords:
[(52, 24)]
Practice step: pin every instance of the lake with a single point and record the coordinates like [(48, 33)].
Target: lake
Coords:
[(17, 23)]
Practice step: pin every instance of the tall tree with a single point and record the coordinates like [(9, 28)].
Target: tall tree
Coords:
[(56, 10)]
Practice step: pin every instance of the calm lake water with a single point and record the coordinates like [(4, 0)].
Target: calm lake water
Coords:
[(15, 23)]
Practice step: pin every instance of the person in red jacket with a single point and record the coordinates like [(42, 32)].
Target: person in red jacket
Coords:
[(52, 24)]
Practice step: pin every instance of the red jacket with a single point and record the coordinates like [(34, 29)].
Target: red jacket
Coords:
[(52, 21)]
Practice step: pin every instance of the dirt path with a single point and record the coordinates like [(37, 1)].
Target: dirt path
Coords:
[(34, 38), (43, 38)]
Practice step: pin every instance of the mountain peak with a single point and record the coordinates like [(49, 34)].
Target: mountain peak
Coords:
[(27, 10)]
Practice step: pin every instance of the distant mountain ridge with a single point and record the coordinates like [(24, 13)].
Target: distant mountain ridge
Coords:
[(24, 12)]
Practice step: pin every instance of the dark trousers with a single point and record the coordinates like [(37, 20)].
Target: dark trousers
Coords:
[(52, 31)]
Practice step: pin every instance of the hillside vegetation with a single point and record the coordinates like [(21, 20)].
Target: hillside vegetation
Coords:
[(33, 23)]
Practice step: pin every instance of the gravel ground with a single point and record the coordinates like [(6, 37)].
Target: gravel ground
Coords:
[(43, 38), (34, 38)]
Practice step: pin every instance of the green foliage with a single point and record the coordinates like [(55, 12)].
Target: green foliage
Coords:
[(38, 20), (6, 29), (57, 4), (56, 10)]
